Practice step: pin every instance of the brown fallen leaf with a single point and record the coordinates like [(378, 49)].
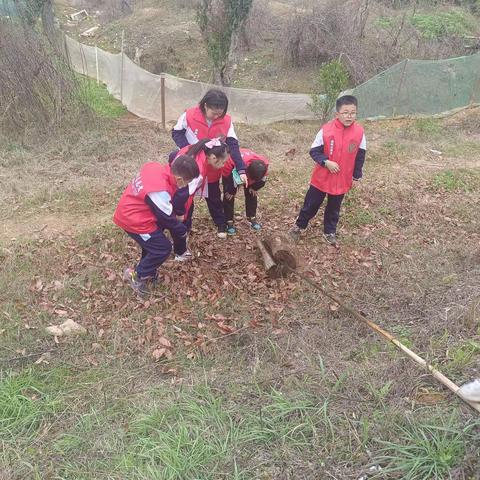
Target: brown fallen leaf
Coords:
[(165, 342), (158, 353)]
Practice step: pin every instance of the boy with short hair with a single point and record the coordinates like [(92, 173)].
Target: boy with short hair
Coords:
[(256, 170), (145, 210), (339, 152)]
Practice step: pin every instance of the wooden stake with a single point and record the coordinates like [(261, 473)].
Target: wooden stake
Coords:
[(435, 373)]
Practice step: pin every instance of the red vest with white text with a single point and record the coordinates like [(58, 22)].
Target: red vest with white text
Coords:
[(219, 128), (197, 122), (248, 157), (132, 213), (341, 145)]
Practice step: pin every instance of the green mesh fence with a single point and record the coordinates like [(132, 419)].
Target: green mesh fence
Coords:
[(421, 87)]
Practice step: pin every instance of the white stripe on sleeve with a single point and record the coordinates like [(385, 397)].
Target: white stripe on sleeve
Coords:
[(231, 132), (318, 142), (363, 143), (163, 201), (182, 122)]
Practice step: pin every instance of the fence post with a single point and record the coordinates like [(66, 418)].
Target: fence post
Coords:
[(402, 77), (96, 64), (121, 68), (162, 99)]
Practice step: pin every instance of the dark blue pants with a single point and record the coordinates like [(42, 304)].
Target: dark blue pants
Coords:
[(155, 250), (250, 200), (313, 199), (215, 205)]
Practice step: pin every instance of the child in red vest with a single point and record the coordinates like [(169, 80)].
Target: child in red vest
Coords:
[(339, 152), (210, 156), (209, 119), (256, 170), (145, 211)]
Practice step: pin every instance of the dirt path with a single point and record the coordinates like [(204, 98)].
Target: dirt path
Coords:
[(50, 225)]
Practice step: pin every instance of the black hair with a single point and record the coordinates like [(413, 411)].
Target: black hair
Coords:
[(214, 98), (186, 167), (345, 100), (256, 170), (218, 151)]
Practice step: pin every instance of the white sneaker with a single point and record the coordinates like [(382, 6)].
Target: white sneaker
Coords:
[(471, 391), (184, 257)]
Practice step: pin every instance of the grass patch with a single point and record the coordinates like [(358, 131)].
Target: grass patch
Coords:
[(461, 356), (427, 450), (456, 181), (24, 406), (97, 97), (202, 435), (426, 128)]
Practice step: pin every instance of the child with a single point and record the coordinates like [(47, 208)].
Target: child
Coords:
[(145, 211), (339, 151), (256, 170), (210, 156), (209, 119)]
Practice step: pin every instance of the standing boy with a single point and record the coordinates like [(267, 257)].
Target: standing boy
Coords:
[(339, 152)]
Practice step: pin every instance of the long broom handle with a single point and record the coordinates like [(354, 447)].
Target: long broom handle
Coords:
[(438, 375)]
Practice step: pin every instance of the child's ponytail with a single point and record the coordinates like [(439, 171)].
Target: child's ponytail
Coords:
[(213, 146)]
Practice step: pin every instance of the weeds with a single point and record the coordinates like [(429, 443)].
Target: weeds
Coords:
[(24, 406), (427, 450)]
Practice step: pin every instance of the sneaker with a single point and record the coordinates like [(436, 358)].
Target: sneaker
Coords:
[(295, 233), (254, 224), (330, 238), (139, 285), (231, 229), (222, 231), (184, 257)]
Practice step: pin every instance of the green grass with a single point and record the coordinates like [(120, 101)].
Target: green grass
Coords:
[(426, 450), (460, 180), (24, 406), (461, 356), (202, 435), (96, 96)]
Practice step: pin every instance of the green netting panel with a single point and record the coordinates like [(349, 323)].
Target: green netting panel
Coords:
[(416, 87)]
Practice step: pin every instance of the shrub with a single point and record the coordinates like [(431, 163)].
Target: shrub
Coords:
[(332, 79), (437, 25)]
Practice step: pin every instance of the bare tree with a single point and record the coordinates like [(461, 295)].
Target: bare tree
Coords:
[(222, 23)]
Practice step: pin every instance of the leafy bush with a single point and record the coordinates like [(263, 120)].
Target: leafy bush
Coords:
[(332, 79), (437, 25)]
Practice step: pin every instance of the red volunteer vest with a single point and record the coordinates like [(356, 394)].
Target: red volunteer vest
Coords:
[(202, 163), (197, 123), (132, 213), (248, 157), (341, 144)]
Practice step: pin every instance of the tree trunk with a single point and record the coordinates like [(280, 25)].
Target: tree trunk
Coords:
[(48, 24), (232, 59)]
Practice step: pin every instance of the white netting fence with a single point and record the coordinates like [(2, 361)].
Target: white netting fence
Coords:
[(412, 87)]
